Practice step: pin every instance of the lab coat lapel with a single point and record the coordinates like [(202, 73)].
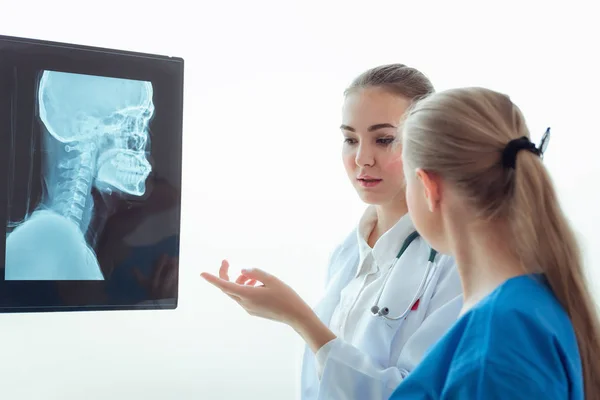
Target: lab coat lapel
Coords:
[(405, 278), (337, 283)]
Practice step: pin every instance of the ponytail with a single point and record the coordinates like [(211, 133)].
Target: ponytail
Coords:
[(545, 242)]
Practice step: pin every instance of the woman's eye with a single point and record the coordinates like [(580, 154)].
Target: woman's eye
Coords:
[(386, 141), (349, 141)]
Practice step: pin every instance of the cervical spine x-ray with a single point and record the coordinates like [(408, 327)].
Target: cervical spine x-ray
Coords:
[(94, 135)]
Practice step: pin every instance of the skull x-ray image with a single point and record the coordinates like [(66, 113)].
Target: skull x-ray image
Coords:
[(90, 189), (95, 134)]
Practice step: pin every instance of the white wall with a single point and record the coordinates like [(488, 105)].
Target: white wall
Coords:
[(263, 181)]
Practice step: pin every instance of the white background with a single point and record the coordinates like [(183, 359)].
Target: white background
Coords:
[(263, 179)]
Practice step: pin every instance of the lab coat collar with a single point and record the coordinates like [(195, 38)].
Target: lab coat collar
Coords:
[(386, 249)]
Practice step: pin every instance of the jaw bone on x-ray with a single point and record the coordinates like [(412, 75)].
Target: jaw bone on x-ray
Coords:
[(95, 135)]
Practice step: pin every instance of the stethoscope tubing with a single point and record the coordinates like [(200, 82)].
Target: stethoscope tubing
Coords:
[(383, 312)]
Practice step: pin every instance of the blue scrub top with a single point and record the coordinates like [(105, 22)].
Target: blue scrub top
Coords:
[(517, 343)]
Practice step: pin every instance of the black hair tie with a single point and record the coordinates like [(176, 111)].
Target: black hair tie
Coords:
[(509, 155)]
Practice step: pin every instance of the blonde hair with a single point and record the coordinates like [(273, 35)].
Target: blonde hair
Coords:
[(460, 135)]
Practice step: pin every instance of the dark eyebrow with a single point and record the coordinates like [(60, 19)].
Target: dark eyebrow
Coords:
[(381, 126), (372, 128)]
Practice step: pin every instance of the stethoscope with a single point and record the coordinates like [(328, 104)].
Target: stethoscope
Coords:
[(384, 311)]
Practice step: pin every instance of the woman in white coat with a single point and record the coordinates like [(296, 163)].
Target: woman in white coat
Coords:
[(380, 313)]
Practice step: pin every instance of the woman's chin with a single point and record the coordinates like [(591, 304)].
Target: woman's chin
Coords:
[(374, 199), (382, 199)]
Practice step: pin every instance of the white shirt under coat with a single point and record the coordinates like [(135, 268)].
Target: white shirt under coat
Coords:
[(371, 355)]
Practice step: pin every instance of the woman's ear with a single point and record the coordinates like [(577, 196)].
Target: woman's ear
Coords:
[(431, 187)]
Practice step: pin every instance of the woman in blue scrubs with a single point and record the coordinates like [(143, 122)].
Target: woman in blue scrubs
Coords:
[(477, 189)]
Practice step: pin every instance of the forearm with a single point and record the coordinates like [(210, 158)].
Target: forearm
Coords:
[(338, 361), (314, 332)]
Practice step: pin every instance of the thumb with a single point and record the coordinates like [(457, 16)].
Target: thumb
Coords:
[(259, 275)]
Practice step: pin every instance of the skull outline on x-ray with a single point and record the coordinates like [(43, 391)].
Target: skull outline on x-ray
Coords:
[(97, 135), (110, 116)]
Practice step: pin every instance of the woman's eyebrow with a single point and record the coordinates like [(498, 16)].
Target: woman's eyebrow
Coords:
[(372, 128)]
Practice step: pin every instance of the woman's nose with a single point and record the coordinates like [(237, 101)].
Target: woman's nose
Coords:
[(364, 157)]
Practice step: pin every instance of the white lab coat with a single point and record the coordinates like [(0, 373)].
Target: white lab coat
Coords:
[(386, 351)]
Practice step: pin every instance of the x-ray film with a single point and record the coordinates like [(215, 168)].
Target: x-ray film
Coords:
[(90, 178)]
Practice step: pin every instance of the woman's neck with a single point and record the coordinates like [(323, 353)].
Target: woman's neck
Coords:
[(387, 217), (484, 258)]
